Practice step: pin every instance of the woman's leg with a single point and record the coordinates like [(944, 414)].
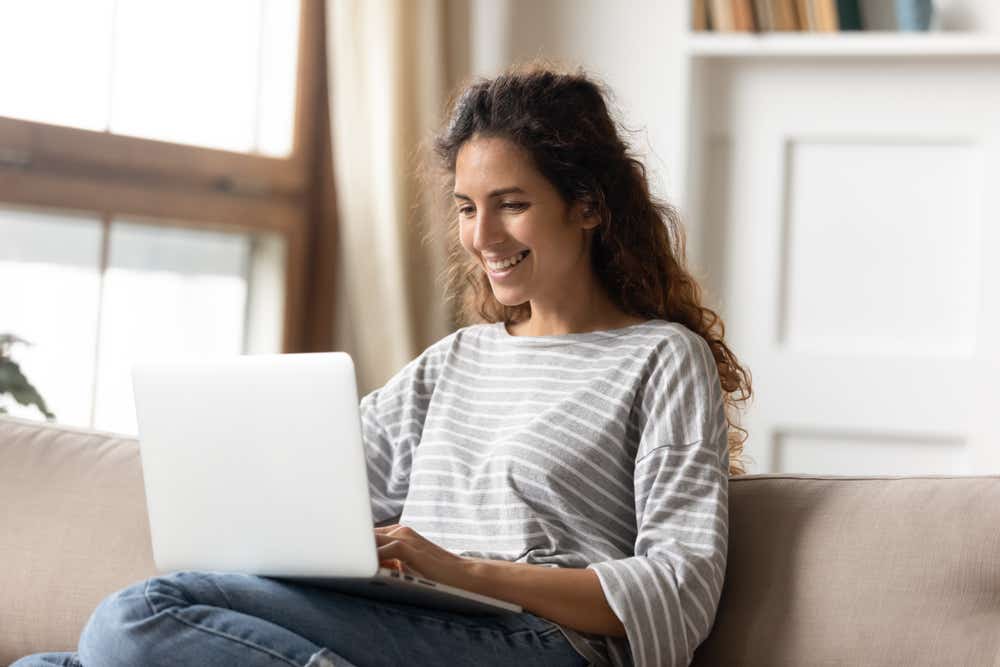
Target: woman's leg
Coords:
[(48, 660), (215, 619), (198, 618)]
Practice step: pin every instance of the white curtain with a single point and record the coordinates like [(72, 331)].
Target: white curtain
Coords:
[(387, 68)]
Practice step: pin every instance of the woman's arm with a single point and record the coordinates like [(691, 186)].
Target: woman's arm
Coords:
[(572, 597), (569, 596)]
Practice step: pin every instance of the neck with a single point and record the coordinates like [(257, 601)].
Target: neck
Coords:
[(591, 311)]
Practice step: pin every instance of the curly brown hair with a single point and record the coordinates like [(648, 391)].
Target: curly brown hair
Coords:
[(638, 252)]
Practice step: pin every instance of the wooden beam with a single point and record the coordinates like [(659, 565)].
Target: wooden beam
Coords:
[(167, 203), (52, 148), (321, 203)]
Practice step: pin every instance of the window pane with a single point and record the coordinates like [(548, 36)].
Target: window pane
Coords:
[(169, 293), (55, 61), (188, 71), (219, 74), (279, 57), (50, 278)]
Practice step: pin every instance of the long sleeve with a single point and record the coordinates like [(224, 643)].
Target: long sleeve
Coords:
[(667, 593), (392, 423)]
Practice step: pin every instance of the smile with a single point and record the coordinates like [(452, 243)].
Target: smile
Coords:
[(507, 263)]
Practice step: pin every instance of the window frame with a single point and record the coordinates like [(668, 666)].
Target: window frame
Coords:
[(202, 188)]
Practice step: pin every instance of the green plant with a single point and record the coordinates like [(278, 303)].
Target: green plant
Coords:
[(12, 380)]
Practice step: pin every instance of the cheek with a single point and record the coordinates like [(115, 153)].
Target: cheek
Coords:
[(465, 237)]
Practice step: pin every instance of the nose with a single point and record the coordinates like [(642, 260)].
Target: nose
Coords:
[(488, 230)]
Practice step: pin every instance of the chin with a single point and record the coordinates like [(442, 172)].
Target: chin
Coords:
[(509, 299)]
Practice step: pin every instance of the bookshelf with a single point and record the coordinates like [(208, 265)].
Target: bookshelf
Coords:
[(834, 45), (786, 139)]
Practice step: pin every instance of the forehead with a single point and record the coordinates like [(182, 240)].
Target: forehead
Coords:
[(487, 162)]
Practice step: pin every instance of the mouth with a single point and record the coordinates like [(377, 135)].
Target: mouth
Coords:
[(506, 266)]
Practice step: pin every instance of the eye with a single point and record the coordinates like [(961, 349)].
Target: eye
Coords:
[(465, 210), (515, 206)]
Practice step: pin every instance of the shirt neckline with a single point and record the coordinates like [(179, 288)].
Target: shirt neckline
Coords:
[(500, 329)]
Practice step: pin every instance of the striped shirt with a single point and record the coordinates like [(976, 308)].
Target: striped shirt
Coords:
[(604, 450)]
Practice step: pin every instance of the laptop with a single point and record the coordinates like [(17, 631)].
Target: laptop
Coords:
[(256, 464)]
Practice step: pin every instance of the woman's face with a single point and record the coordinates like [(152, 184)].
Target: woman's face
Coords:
[(515, 224)]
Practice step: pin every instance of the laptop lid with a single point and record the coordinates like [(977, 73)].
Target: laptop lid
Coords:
[(256, 464)]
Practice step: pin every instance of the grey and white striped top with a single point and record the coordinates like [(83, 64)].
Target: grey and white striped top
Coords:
[(605, 450)]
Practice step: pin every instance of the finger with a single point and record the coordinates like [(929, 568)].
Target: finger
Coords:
[(411, 571), (391, 551), (400, 566), (392, 564), (385, 529), (398, 535)]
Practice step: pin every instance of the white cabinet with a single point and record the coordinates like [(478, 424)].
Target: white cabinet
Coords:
[(845, 193)]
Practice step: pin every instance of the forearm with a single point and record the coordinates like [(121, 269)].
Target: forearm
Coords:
[(572, 597)]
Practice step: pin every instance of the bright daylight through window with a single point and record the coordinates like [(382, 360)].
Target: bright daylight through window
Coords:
[(89, 285)]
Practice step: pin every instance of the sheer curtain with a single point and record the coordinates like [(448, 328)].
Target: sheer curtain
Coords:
[(387, 68)]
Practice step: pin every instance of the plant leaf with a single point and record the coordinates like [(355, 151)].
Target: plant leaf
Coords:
[(13, 382)]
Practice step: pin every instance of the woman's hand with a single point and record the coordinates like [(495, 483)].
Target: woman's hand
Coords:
[(419, 555)]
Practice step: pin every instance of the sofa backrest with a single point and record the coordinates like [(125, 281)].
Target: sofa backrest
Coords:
[(73, 529), (837, 570)]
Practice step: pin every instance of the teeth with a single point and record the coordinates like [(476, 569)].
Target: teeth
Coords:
[(499, 266)]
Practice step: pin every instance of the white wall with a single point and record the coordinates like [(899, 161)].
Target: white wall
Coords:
[(632, 45), (974, 15)]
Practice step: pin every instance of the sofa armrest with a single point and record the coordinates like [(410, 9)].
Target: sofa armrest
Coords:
[(75, 529)]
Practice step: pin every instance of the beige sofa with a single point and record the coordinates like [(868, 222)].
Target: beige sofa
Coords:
[(822, 570)]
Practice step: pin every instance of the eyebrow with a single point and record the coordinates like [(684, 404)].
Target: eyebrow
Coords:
[(495, 193)]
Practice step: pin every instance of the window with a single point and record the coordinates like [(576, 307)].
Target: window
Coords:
[(218, 74), (158, 189)]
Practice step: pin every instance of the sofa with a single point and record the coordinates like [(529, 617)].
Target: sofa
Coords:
[(822, 570)]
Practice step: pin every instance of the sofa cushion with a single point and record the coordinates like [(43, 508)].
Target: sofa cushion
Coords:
[(74, 529), (837, 570)]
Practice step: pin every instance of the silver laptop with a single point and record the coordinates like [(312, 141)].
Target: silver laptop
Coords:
[(256, 464)]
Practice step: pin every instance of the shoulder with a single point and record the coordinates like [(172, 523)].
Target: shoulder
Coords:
[(455, 343), (464, 337), (681, 401), (673, 345), (677, 357)]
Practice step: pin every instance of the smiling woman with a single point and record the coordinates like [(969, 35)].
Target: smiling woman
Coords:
[(572, 442)]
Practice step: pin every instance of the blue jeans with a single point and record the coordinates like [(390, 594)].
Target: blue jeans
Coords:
[(210, 619)]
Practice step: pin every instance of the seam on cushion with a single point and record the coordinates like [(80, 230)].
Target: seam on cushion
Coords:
[(57, 426), (238, 640)]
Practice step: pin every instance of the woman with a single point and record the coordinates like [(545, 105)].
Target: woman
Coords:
[(570, 453)]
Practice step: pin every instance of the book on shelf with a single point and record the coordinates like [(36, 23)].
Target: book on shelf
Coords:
[(784, 15), (743, 20), (808, 15), (849, 14), (699, 15), (825, 15)]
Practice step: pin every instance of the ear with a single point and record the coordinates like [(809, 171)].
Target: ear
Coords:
[(586, 214)]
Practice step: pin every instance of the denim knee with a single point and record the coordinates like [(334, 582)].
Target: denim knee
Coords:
[(118, 628), (60, 659)]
